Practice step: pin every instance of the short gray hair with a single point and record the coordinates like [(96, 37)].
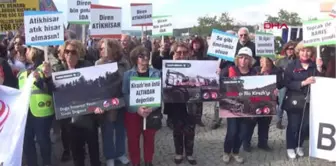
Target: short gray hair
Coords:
[(243, 29)]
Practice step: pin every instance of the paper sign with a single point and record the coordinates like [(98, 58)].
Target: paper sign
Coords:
[(222, 45), (333, 11), (105, 21), (79, 11), (264, 43), (141, 14), (319, 32), (145, 91), (162, 26), (11, 14), (44, 28)]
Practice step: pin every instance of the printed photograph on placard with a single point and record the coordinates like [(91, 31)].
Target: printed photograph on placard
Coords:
[(247, 96), (189, 81), (80, 91)]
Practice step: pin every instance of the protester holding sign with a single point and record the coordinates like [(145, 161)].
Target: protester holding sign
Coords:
[(41, 112), (297, 78), (83, 129), (113, 129), (134, 116), (266, 68), (235, 126), (183, 117)]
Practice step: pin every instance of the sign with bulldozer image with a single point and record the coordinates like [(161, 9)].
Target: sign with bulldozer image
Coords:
[(189, 81), (247, 96)]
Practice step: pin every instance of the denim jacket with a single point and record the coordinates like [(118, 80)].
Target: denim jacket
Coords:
[(154, 73)]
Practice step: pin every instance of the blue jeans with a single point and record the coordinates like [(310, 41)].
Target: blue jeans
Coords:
[(233, 138), (38, 127), (281, 97), (295, 138), (263, 129), (114, 137)]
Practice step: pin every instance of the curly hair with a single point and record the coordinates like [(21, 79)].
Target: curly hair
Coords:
[(301, 46), (134, 55), (114, 48), (80, 49)]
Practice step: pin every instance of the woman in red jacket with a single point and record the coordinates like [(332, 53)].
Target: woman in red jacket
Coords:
[(233, 139)]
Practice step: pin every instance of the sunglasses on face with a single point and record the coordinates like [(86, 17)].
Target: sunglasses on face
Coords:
[(241, 35), (290, 48), (181, 52), (143, 56), (73, 52)]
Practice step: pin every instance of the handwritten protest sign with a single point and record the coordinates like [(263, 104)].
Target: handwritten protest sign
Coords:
[(105, 21), (162, 26), (264, 43), (141, 14), (222, 45), (319, 32), (79, 11), (145, 91), (11, 14), (44, 28)]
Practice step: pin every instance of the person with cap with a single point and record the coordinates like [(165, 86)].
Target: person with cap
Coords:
[(243, 67), (266, 68), (41, 112)]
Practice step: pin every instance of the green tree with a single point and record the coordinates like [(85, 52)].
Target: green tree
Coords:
[(207, 23), (290, 18)]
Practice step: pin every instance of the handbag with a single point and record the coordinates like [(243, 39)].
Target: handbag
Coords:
[(294, 100), (154, 119)]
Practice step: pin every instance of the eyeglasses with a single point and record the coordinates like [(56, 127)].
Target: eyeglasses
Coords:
[(241, 35), (143, 56), (181, 52), (73, 52), (290, 48)]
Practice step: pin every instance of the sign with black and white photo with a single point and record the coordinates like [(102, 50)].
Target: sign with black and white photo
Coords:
[(247, 96), (80, 91), (145, 91), (189, 81)]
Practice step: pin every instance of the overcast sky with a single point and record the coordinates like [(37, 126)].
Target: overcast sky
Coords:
[(186, 12)]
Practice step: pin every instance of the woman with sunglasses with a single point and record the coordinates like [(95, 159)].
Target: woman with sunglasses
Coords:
[(289, 53), (83, 129), (183, 116), (134, 116)]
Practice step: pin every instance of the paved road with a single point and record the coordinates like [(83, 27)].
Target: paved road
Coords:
[(209, 148)]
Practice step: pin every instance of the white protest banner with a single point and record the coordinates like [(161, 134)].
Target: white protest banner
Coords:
[(79, 11), (141, 14), (13, 115), (44, 28), (322, 119), (222, 45), (162, 26), (264, 44), (145, 91), (105, 21), (319, 32)]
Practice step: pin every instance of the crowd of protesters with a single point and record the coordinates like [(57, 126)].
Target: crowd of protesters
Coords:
[(143, 57)]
